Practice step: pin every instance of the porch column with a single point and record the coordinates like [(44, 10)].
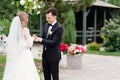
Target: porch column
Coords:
[(95, 24), (84, 27), (104, 17), (113, 13), (40, 23)]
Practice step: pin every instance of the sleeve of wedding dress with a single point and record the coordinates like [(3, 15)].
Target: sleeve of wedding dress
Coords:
[(28, 41)]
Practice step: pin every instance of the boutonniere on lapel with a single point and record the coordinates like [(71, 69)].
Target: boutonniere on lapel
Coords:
[(51, 30), (50, 33)]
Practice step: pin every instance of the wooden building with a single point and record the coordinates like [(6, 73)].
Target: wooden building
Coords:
[(90, 21)]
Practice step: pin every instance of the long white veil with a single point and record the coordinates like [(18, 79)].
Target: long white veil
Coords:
[(15, 36)]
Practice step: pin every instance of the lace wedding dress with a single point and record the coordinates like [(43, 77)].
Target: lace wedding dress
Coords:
[(19, 63)]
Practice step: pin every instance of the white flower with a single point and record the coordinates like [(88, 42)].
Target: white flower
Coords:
[(30, 6), (77, 51), (38, 12), (35, 7), (34, 3), (50, 32), (22, 2), (39, 6), (30, 0)]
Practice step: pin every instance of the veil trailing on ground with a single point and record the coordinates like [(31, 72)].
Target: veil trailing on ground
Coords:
[(15, 36)]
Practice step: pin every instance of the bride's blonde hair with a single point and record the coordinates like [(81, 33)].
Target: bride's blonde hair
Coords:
[(23, 18)]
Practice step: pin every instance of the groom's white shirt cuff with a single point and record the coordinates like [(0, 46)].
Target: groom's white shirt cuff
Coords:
[(41, 39)]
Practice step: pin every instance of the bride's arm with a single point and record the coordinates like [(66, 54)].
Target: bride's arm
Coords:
[(28, 38)]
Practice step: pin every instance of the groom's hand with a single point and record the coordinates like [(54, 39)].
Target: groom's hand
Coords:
[(38, 39)]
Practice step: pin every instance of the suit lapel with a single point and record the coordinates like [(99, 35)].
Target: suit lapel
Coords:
[(54, 27), (53, 30), (46, 30)]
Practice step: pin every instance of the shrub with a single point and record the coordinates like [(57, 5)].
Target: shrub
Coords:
[(93, 46), (111, 35)]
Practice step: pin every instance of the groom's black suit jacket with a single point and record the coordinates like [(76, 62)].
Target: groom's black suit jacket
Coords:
[(51, 48)]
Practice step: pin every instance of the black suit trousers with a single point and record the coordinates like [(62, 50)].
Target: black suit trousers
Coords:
[(50, 68)]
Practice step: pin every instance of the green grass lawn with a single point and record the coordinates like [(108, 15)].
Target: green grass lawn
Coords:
[(1, 72), (3, 60), (103, 53)]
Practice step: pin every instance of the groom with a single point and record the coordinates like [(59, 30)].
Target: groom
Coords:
[(51, 38)]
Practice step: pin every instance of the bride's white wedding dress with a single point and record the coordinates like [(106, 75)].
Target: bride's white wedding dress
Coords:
[(19, 63)]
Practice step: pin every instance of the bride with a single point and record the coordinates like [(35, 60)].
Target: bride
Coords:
[(19, 63)]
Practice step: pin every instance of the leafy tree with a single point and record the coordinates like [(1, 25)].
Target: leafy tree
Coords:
[(4, 26), (115, 2), (69, 35), (7, 10), (80, 4), (29, 6)]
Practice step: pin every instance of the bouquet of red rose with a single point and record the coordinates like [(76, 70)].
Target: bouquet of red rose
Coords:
[(63, 48)]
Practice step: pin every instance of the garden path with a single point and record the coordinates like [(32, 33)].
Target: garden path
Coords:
[(94, 67)]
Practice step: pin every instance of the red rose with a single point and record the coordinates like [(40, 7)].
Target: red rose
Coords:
[(63, 47)]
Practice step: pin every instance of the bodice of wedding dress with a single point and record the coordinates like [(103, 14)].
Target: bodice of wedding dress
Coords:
[(27, 42)]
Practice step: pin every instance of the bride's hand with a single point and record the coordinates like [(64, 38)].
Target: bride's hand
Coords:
[(34, 35)]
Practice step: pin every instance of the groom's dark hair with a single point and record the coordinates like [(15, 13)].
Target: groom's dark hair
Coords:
[(52, 10)]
